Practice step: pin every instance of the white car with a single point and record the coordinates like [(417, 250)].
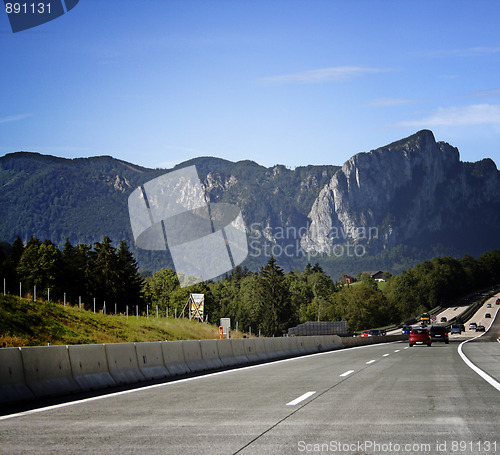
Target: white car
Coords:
[(472, 326)]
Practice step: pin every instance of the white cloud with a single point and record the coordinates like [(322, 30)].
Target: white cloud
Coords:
[(13, 118), (334, 74), (477, 114)]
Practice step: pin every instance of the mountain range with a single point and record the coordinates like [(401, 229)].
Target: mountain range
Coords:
[(384, 209)]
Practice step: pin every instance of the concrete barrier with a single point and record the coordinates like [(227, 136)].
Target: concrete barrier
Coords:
[(150, 360), (286, 346), (251, 350), (239, 355), (364, 341), (89, 366), (320, 343), (311, 344), (226, 354), (323, 343), (13, 387), (47, 371), (301, 345), (44, 371), (260, 349), (271, 350), (336, 342), (122, 363), (293, 346), (173, 357), (192, 356), (210, 354)]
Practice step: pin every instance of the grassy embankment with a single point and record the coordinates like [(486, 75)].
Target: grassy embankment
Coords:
[(27, 323)]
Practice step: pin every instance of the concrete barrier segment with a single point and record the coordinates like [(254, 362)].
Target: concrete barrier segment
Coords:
[(272, 350), (192, 356), (122, 363), (210, 354), (173, 357), (226, 354), (13, 388), (150, 360), (239, 351), (301, 345), (89, 366), (287, 346), (260, 349), (251, 350), (47, 371), (310, 344)]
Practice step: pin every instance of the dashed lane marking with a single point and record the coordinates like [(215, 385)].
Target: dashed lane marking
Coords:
[(298, 400)]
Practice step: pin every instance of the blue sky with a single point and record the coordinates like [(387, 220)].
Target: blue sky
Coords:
[(157, 82)]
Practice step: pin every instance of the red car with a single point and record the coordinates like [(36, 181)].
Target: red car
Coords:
[(420, 336), (365, 333)]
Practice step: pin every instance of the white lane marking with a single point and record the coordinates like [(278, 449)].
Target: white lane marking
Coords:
[(347, 373), (478, 370), (397, 350), (370, 362), (407, 347), (301, 398), (385, 355)]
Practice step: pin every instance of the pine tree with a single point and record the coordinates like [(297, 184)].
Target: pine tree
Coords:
[(40, 266), (103, 272), (129, 286), (10, 266), (274, 304), (73, 274)]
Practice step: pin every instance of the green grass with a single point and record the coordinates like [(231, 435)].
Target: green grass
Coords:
[(27, 323), (382, 285)]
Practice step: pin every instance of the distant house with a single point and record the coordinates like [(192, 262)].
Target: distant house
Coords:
[(346, 279), (377, 275)]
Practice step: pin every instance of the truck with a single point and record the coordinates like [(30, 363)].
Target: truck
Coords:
[(425, 318)]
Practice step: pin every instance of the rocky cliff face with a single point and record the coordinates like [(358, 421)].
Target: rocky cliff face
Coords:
[(402, 193)]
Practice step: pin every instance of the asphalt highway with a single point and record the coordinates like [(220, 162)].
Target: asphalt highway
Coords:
[(385, 398)]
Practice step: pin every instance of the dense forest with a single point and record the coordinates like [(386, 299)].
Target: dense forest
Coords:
[(77, 273), (268, 301)]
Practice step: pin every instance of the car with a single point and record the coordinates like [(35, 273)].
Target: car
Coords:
[(377, 332), (489, 305), (472, 326), (455, 328), (419, 336), (406, 329), (365, 333), (439, 333), (480, 328), (497, 302), (487, 315), (443, 319)]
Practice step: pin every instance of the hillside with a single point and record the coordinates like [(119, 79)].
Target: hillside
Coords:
[(397, 205), (27, 323)]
